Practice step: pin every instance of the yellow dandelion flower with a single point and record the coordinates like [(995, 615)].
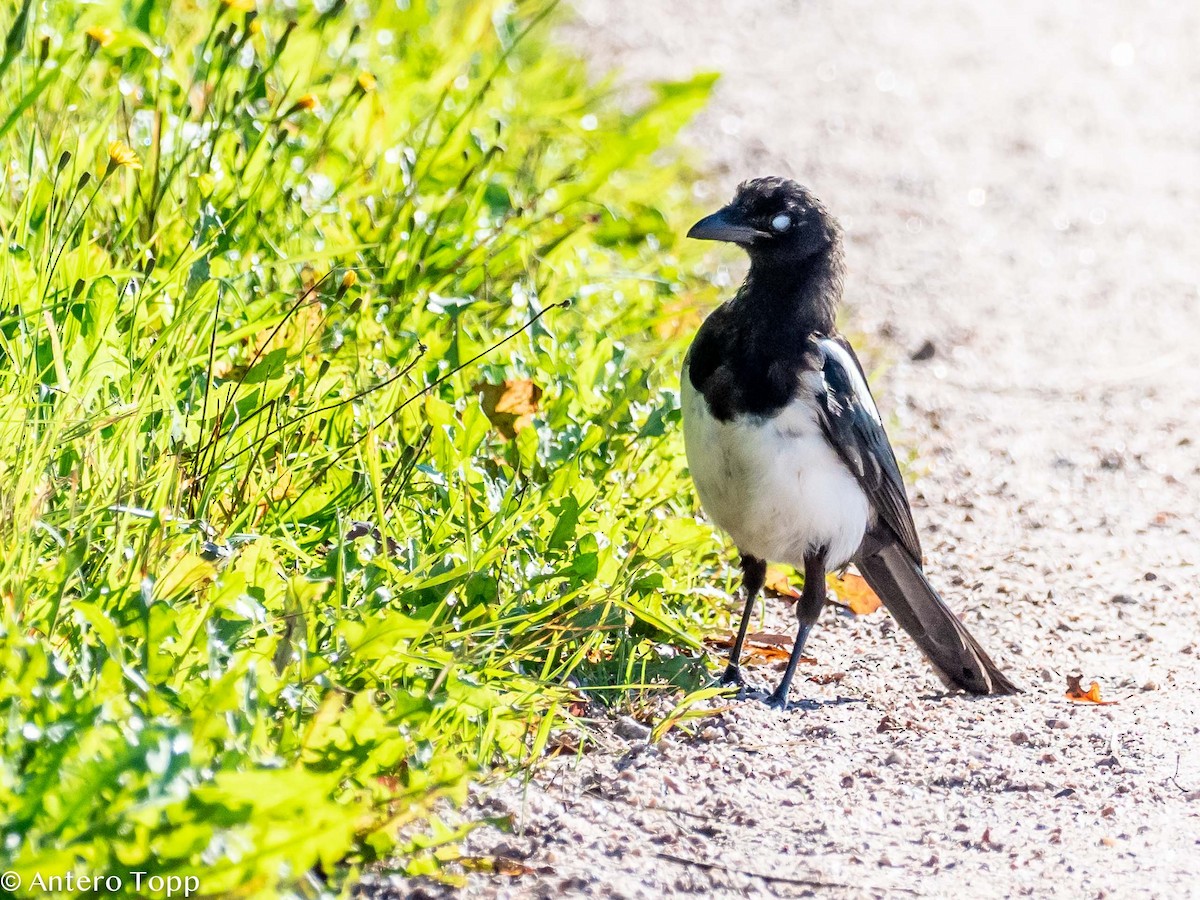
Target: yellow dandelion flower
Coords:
[(304, 103), (349, 280), (366, 82), (98, 37), (122, 156), (239, 5)]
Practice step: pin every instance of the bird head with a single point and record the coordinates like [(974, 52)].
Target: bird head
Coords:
[(775, 220)]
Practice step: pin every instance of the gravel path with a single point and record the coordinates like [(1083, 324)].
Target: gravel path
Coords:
[(1020, 188)]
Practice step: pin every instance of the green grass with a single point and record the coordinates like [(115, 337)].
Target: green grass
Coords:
[(275, 587)]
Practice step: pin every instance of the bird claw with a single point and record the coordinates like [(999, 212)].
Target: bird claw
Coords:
[(776, 701), (733, 677)]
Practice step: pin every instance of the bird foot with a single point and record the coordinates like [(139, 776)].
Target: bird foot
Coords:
[(777, 701), (732, 677)]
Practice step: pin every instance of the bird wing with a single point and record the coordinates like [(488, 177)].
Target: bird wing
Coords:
[(852, 424)]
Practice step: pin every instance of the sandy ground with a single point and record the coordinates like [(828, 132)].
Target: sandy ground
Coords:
[(1020, 187)]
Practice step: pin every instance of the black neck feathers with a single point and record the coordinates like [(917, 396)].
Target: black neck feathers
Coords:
[(796, 297), (749, 354)]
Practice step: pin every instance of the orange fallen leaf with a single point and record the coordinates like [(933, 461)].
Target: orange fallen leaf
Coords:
[(510, 405), (1076, 692), (827, 678), (766, 639), (757, 655), (513, 868), (761, 648), (854, 591), (778, 582)]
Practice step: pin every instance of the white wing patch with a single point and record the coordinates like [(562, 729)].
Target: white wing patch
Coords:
[(861, 392)]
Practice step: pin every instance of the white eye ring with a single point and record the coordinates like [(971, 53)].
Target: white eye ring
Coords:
[(781, 222)]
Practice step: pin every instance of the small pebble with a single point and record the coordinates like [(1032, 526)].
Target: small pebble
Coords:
[(630, 729), (927, 350)]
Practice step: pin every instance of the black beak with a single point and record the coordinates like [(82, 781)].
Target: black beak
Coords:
[(725, 225)]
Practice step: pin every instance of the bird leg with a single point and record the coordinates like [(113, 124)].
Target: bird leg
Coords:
[(754, 574), (808, 608)]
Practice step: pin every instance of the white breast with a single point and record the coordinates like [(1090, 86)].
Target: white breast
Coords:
[(774, 484)]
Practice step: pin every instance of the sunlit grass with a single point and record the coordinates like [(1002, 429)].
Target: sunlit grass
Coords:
[(274, 585)]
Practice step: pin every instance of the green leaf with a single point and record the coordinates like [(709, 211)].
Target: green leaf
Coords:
[(15, 39), (269, 367)]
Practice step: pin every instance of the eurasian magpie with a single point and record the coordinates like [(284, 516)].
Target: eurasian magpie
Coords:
[(785, 443)]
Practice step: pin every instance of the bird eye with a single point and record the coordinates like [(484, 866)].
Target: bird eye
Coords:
[(781, 222)]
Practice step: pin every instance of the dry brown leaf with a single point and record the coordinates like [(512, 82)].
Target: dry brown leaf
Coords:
[(766, 639), (567, 742), (779, 582), (754, 637), (513, 868), (753, 654), (761, 648), (827, 678), (500, 865), (1076, 692), (854, 591), (510, 405), (757, 655)]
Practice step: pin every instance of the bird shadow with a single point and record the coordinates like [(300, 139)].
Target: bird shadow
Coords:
[(956, 697), (811, 705), (806, 703)]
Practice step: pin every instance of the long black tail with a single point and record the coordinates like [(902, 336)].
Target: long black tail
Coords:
[(898, 580)]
